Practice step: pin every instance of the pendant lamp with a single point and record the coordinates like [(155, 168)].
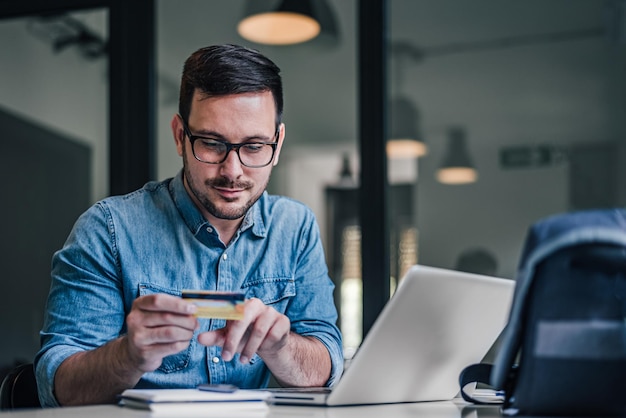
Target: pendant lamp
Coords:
[(405, 140), (292, 22), (457, 167)]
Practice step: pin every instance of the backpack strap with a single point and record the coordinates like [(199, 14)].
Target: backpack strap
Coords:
[(478, 373)]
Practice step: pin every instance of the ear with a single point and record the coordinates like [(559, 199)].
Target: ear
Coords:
[(179, 134), (281, 138)]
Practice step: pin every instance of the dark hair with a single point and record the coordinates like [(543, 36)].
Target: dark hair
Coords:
[(221, 70)]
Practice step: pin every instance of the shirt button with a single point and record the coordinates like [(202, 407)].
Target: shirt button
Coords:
[(209, 230), (225, 256), (215, 360)]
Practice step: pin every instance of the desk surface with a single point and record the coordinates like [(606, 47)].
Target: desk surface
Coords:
[(450, 409)]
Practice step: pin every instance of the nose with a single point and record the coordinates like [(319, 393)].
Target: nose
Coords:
[(231, 167)]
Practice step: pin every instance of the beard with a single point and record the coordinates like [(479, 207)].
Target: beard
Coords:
[(228, 212)]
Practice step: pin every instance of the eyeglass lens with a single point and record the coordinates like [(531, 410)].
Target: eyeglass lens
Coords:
[(250, 154)]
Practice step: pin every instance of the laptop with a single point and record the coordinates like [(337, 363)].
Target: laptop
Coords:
[(437, 322)]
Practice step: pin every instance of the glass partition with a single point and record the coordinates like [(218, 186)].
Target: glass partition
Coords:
[(521, 107), (54, 159)]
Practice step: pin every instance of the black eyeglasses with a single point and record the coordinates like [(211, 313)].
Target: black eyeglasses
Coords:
[(214, 151)]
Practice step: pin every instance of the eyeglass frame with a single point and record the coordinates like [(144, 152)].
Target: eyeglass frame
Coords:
[(229, 146)]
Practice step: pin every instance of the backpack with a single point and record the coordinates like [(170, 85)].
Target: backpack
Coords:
[(563, 350)]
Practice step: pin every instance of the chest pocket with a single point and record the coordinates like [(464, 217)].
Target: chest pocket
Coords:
[(178, 361), (274, 292)]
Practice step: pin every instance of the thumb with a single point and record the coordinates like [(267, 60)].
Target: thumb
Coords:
[(211, 338)]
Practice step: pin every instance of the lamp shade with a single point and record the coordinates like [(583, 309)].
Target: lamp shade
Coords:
[(457, 167), (292, 22), (405, 140)]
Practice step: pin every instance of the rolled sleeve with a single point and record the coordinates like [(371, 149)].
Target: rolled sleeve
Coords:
[(46, 366), (336, 358)]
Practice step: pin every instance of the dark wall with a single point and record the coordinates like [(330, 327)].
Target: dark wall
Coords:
[(45, 186)]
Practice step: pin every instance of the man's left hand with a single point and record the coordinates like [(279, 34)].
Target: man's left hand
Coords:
[(262, 330)]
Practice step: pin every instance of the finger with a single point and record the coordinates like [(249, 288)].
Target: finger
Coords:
[(212, 338), (233, 334), (235, 330), (149, 357), (158, 319), (161, 309), (139, 318), (254, 337), (164, 350), (169, 334), (164, 303), (160, 335), (275, 337)]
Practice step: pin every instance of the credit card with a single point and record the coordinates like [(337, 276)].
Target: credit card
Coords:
[(212, 304)]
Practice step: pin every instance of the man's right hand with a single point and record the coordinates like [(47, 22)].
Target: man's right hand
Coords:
[(158, 325)]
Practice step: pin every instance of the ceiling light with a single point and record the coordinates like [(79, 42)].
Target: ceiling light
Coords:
[(457, 167), (405, 140), (292, 22)]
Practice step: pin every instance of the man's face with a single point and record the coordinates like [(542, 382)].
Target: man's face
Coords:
[(226, 191)]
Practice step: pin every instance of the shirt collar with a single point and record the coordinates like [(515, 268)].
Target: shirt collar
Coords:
[(194, 219), (254, 218)]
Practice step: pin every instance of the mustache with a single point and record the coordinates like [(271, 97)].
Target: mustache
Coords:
[(225, 183)]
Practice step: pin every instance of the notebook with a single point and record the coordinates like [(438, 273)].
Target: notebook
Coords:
[(177, 402), (438, 322)]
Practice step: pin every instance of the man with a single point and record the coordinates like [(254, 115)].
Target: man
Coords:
[(115, 319)]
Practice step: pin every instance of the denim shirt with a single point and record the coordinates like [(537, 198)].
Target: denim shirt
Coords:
[(155, 240)]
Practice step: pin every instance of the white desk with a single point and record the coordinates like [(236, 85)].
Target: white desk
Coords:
[(456, 409)]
